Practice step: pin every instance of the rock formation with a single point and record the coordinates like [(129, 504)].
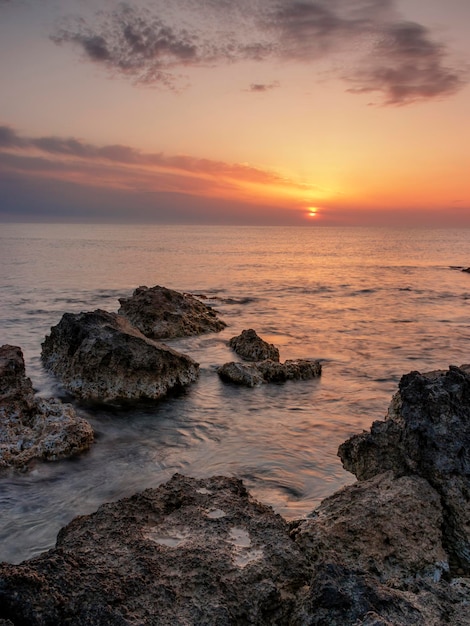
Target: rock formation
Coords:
[(100, 356), (32, 427), (264, 366), (389, 550), (161, 313), (251, 347), (189, 552), (252, 374), (426, 433)]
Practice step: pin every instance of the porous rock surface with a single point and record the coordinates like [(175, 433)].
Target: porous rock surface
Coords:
[(189, 552), (381, 552), (426, 433), (252, 374), (251, 347), (32, 427), (162, 313), (101, 356)]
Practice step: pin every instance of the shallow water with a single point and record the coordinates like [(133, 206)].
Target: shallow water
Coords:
[(371, 304)]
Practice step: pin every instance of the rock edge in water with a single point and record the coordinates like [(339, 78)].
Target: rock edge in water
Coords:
[(383, 551), (100, 356), (251, 347), (264, 365), (34, 428), (162, 313)]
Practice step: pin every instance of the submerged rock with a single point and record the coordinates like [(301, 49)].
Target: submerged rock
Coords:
[(252, 374), (100, 356), (161, 313), (32, 427), (426, 433), (251, 347), (189, 552)]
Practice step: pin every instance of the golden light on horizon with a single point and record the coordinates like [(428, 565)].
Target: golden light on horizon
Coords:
[(312, 211)]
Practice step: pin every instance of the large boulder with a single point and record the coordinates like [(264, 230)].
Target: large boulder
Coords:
[(385, 526), (251, 347), (253, 374), (32, 427), (426, 433), (161, 313), (101, 356), (189, 552)]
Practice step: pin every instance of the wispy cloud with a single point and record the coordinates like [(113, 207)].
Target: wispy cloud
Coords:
[(400, 60), (262, 87), (120, 166)]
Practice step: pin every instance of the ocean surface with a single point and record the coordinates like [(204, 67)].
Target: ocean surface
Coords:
[(371, 304)]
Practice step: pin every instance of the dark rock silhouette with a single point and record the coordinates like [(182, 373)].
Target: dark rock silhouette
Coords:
[(32, 427)]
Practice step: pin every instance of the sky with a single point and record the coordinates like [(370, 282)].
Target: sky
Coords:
[(282, 112)]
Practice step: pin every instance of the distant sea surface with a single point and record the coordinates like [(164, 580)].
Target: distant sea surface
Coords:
[(371, 304)]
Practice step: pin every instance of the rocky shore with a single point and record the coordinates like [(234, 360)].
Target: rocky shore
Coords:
[(390, 550), (33, 428)]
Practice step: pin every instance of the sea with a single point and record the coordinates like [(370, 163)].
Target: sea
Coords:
[(371, 304)]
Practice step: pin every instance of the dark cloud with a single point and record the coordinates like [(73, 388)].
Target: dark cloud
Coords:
[(399, 60), (408, 66), (9, 138), (262, 87)]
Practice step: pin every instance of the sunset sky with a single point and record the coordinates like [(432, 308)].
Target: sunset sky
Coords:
[(325, 112)]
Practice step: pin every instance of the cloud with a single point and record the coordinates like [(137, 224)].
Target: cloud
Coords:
[(262, 87), (124, 167), (408, 66), (399, 60)]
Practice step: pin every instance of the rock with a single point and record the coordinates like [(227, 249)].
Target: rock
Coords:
[(189, 552), (251, 347), (100, 356), (31, 427), (161, 313), (467, 269), (252, 374), (300, 369), (244, 374), (426, 433), (385, 526)]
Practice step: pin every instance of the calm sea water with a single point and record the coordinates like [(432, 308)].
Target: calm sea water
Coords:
[(371, 304)]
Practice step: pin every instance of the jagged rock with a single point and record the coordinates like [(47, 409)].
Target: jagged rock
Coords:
[(426, 433), (252, 374), (385, 526), (300, 369), (101, 356), (251, 347), (189, 552), (32, 427), (161, 313)]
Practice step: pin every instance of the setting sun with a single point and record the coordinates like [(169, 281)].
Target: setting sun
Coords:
[(312, 211)]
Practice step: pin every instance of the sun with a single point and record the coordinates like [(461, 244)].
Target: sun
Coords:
[(312, 211)]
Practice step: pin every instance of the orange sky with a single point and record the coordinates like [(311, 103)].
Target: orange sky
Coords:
[(234, 112)]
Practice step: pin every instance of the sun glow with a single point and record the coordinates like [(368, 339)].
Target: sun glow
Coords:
[(312, 211)]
